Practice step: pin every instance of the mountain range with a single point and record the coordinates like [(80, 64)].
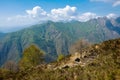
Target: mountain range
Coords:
[(56, 37)]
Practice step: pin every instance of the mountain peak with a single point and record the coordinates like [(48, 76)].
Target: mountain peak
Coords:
[(55, 37)]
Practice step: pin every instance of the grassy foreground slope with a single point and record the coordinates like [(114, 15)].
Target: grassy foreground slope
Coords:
[(105, 66)]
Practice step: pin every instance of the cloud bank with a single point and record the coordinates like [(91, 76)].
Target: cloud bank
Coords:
[(37, 14), (111, 15), (114, 2)]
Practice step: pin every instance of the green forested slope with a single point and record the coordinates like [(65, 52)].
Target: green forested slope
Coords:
[(54, 37)]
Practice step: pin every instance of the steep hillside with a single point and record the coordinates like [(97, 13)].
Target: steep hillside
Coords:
[(55, 37), (101, 62)]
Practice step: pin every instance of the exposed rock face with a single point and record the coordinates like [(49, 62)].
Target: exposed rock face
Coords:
[(77, 59), (75, 56)]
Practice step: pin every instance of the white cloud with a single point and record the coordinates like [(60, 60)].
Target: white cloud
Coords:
[(87, 16), (111, 15), (102, 0), (31, 17), (37, 14), (64, 13), (20, 20), (116, 3), (70, 13)]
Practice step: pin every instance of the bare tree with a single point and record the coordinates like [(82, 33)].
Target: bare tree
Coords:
[(79, 46), (10, 65)]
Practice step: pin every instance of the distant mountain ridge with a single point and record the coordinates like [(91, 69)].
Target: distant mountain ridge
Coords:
[(56, 37), (2, 34)]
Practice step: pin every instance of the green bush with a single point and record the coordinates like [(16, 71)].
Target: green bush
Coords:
[(60, 57), (32, 56)]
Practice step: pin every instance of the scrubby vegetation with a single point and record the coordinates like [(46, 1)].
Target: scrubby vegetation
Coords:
[(60, 57), (105, 66)]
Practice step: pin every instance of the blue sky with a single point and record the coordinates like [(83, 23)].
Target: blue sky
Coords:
[(16, 13), (15, 7)]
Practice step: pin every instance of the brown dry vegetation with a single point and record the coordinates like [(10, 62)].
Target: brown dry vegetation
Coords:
[(105, 66)]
